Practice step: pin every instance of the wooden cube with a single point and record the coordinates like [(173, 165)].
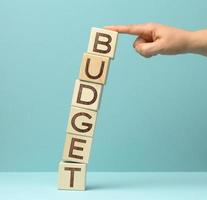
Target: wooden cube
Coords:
[(86, 95), (94, 68), (71, 176), (102, 42), (77, 148), (81, 121)]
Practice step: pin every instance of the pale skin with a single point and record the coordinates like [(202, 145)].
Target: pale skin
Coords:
[(153, 39)]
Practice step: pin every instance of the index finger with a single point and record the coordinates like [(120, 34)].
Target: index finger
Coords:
[(128, 29)]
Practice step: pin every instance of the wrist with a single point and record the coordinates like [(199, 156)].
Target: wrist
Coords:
[(197, 42)]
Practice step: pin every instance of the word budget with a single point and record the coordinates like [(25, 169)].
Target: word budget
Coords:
[(85, 104)]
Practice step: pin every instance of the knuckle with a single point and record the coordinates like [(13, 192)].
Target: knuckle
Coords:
[(141, 50)]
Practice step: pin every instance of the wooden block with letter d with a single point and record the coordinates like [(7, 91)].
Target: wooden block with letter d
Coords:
[(71, 176), (77, 148), (87, 95), (102, 42), (94, 68)]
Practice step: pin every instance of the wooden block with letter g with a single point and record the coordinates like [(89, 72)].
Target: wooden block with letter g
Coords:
[(81, 121), (102, 42), (94, 68), (86, 95), (71, 176), (77, 148)]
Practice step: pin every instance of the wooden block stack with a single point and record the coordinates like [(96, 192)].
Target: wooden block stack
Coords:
[(85, 104)]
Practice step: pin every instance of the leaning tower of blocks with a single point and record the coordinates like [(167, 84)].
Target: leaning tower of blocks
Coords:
[(85, 104)]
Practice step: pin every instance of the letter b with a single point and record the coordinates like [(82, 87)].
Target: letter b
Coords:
[(102, 42)]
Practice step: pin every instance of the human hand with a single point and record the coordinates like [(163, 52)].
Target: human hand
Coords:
[(156, 39)]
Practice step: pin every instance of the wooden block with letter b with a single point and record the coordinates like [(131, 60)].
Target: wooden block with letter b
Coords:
[(81, 121), (77, 148), (87, 95), (102, 42), (71, 176), (94, 68)]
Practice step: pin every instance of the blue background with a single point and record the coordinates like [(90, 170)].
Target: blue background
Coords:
[(153, 114)]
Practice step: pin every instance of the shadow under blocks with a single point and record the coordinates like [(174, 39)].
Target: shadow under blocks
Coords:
[(85, 104)]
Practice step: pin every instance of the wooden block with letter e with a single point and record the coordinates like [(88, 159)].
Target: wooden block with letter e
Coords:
[(81, 121), (87, 95), (77, 148), (94, 68), (71, 176), (102, 42)]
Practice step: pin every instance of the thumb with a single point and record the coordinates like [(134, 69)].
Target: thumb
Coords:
[(148, 49)]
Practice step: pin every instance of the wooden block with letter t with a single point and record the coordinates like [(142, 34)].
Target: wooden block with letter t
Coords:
[(94, 68), (81, 121), (102, 42), (77, 148), (72, 176), (87, 95)]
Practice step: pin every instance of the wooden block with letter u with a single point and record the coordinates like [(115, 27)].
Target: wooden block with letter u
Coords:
[(94, 68), (85, 103)]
